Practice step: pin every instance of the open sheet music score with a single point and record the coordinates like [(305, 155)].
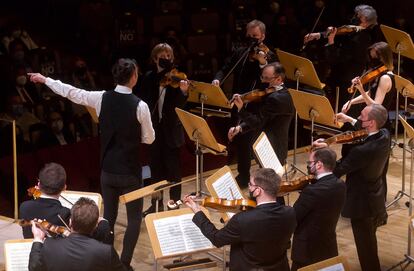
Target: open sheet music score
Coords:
[(178, 234), (17, 254), (70, 197), (227, 188), (335, 267), (266, 155)]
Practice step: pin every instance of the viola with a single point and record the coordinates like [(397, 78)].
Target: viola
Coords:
[(255, 95), (223, 205), (173, 78), (48, 227), (259, 52), (368, 77), (295, 184)]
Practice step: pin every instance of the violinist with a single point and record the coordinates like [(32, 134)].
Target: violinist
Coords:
[(52, 181), (260, 237), (346, 54), (78, 251), (274, 115), (169, 134), (317, 212), (363, 167)]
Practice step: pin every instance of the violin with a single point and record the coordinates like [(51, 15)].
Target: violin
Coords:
[(347, 137), (255, 95), (36, 193), (295, 184), (173, 78), (344, 30), (259, 52), (47, 227), (223, 205), (368, 77)]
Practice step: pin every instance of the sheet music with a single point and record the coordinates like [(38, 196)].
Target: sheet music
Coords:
[(73, 197), (17, 255), (267, 155), (336, 267), (179, 234), (226, 187), (193, 237)]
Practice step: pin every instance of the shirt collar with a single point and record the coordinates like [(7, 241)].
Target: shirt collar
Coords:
[(43, 196), (319, 176), (123, 89), (266, 202), (373, 133)]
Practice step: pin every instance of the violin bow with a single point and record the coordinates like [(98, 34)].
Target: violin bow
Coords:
[(314, 26)]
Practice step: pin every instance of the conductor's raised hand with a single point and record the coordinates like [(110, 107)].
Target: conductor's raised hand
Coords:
[(37, 78)]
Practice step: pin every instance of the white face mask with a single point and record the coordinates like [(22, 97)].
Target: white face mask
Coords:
[(21, 80)]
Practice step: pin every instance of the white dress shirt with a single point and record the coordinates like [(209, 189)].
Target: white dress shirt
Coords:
[(94, 99)]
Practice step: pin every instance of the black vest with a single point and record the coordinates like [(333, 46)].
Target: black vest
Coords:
[(120, 134)]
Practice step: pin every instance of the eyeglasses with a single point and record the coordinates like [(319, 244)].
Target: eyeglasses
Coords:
[(267, 78), (251, 185)]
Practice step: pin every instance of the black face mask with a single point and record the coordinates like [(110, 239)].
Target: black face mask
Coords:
[(355, 20), (310, 169), (262, 85), (80, 71), (251, 197), (374, 62), (252, 41), (165, 63)]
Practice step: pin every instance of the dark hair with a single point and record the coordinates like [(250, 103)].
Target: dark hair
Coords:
[(84, 216), (379, 114), (52, 178), (327, 156), (277, 68), (123, 70), (268, 180), (384, 53)]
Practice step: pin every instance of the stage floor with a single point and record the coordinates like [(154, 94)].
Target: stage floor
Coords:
[(392, 238)]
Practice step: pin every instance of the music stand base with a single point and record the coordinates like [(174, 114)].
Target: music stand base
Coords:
[(397, 197), (406, 262)]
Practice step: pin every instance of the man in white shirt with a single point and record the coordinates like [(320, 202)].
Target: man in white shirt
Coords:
[(123, 119)]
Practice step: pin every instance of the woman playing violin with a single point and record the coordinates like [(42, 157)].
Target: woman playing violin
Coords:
[(382, 89), (258, 237), (162, 100)]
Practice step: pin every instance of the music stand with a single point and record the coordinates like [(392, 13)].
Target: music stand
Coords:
[(400, 43), (208, 94), (408, 258), (198, 131), (301, 70), (315, 108), (407, 90)]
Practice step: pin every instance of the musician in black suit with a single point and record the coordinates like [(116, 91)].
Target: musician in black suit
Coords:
[(258, 237), (169, 133), (246, 77), (78, 251), (317, 212), (52, 181), (363, 167), (274, 115)]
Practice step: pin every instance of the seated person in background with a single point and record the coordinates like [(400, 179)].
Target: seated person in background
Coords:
[(52, 181), (317, 212), (58, 133), (259, 237), (77, 251)]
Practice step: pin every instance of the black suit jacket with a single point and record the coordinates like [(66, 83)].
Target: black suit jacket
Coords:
[(259, 237), (76, 252), (43, 208), (363, 167), (317, 212), (274, 116), (49, 209), (170, 124)]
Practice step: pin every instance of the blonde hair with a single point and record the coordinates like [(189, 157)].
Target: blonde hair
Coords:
[(161, 47)]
